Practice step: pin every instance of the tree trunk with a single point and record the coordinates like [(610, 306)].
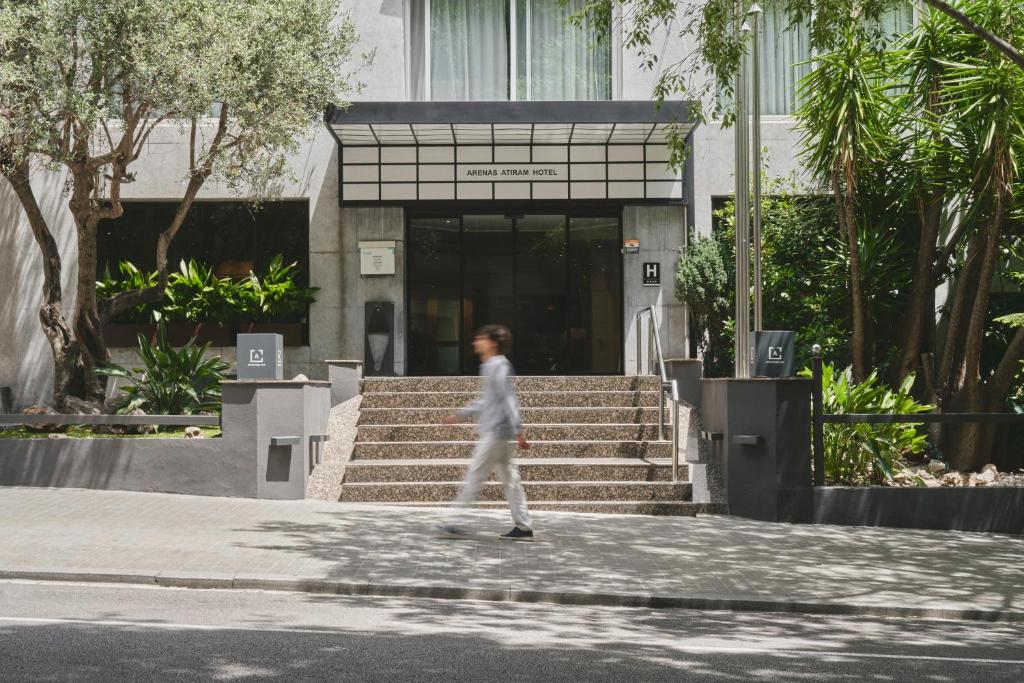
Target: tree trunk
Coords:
[(918, 309), (71, 374), (848, 223), (974, 441)]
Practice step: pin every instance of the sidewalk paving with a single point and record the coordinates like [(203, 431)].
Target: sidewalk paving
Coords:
[(708, 562)]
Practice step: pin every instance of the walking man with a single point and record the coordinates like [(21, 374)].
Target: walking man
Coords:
[(497, 413)]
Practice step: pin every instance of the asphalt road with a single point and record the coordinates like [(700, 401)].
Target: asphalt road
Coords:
[(64, 631)]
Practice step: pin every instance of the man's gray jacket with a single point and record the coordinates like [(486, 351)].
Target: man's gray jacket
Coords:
[(497, 409)]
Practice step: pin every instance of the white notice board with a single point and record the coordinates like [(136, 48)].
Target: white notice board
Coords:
[(377, 258)]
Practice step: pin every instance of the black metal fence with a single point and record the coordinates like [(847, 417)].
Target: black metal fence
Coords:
[(819, 418)]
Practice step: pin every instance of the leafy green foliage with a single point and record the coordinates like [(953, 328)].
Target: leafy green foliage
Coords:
[(130, 278), (172, 381), (860, 454), (702, 283), (195, 293), (802, 290), (278, 295)]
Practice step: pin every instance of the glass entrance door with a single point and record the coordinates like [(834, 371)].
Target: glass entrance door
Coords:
[(554, 279)]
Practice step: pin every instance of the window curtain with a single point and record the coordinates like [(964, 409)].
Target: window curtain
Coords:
[(469, 50), (565, 62), (785, 52)]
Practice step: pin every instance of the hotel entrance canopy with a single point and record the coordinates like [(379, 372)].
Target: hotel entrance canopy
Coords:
[(400, 152)]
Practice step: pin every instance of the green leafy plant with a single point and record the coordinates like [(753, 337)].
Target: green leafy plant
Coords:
[(171, 381), (863, 454), (130, 278), (277, 295), (194, 293), (702, 283)]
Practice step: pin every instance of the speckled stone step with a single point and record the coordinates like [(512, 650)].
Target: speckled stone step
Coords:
[(609, 507), (560, 491), (527, 399), (406, 450), (568, 416), (534, 432), (468, 384), (538, 469)]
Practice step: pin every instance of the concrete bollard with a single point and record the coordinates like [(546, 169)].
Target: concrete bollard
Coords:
[(344, 376), (277, 421)]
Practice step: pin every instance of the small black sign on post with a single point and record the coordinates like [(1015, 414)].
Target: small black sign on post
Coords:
[(773, 354), (652, 274)]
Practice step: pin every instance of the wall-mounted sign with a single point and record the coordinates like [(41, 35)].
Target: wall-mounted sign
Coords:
[(631, 246), (510, 172), (652, 274), (377, 258), (260, 356)]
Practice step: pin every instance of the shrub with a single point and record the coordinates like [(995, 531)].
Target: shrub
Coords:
[(195, 293), (702, 284), (131, 278), (277, 296), (171, 381), (863, 454)]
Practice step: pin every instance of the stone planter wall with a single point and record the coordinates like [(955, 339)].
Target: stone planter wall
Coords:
[(995, 509), (244, 462)]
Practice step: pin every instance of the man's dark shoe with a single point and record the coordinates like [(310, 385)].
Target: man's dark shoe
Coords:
[(518, 534)]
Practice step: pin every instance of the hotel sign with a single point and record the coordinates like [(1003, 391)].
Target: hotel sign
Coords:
[(510, 172)]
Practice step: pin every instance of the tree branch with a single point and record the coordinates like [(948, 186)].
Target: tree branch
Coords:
[(1003, 376), (1008, 50)]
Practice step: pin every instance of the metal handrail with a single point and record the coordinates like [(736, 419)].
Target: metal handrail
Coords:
[(654, 353)]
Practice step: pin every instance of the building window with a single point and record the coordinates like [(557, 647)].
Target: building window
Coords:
[(466, 50), (785, 53)]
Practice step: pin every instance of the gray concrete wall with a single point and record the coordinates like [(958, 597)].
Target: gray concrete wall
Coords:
[(242, 463), (361, 224), (662, 233), (204, 467)]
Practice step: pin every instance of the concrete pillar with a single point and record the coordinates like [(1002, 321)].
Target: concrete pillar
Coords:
[(688, 372), (662, 233), (344, 376), (371, 223), (276, 420), (762, 450)]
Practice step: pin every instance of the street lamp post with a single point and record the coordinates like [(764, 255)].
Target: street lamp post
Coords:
[(742, 343), (755, 57)]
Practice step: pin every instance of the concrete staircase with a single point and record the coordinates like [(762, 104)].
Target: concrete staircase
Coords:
[(595, 446)]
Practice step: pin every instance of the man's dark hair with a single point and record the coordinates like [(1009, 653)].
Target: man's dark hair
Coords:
[(499, 334)]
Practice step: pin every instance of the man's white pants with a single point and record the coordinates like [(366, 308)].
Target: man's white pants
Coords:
[(495, 455)]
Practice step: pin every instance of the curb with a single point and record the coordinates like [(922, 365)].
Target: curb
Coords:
[(329, 586)]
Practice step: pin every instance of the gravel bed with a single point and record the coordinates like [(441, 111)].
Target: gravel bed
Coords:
[(325, 480)]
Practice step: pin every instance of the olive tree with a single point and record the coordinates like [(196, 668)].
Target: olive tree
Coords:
[(85, 83)]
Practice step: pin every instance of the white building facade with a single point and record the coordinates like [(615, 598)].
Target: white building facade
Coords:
[(513, 167)]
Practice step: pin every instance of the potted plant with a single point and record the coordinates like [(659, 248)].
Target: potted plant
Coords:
[(129, 325), (279, 303)]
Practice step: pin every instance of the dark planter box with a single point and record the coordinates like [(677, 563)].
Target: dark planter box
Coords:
[(215, 334), (293, 333), (994, 509)]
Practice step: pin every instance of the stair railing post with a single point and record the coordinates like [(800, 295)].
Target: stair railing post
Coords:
[(639, 345), (651, 360), (675, 441), (661, 410), (817, 421)]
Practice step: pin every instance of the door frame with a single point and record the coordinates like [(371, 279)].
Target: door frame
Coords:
[(461, 209)]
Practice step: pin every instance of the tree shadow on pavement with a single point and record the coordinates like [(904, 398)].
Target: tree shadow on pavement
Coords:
[(448, 640), (709, 557)]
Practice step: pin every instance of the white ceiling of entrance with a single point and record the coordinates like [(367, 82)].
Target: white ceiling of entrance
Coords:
[(359, 134)]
